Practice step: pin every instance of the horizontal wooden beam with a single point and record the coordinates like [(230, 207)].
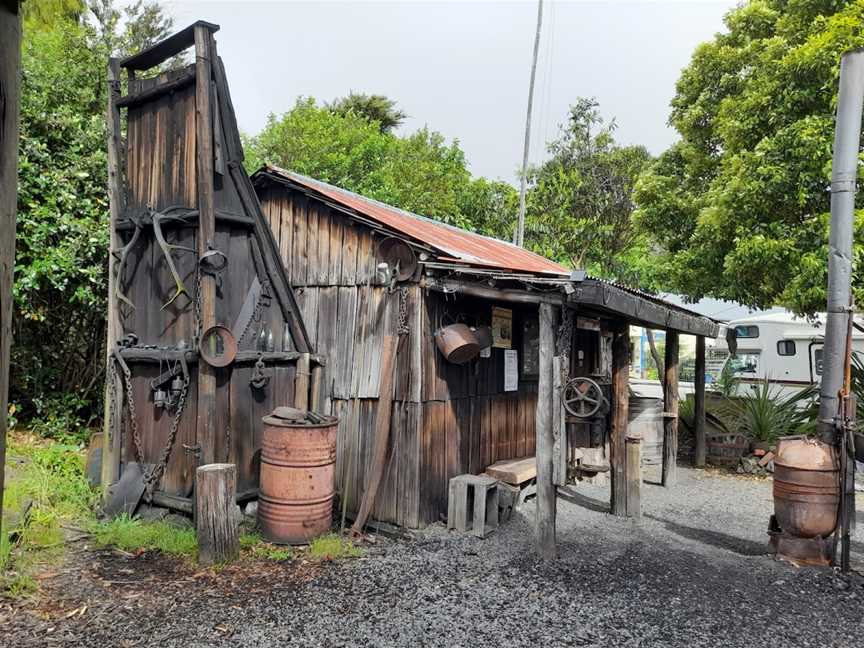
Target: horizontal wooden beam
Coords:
[(126, 223), (153, 92), (165, 49), (640, 310), (135, 354), (488, 292)]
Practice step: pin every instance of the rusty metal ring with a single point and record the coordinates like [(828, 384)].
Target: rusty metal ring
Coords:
[(209, 349)]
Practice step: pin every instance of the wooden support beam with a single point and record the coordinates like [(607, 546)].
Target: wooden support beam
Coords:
[(165, 49), (10, 86), (206, 428), (670, 409), (217, 516), (620, 417), (301, 383), (559, 424), (153, 92), (633, 476), (112, 443), (699, 405), (317, 389), (546, 491)]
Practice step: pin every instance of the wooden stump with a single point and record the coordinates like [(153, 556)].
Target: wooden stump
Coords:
[(633, 474), (217, 517)]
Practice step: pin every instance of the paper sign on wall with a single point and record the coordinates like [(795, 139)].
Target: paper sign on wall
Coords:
[(511, 370), (502, 327)]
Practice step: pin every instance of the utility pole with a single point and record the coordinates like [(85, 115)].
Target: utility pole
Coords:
[(519, 235)]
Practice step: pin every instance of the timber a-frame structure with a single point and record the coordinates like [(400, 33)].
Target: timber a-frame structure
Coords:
[(194, 274)]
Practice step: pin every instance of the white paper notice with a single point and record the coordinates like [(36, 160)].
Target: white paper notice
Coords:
[(511, 370)]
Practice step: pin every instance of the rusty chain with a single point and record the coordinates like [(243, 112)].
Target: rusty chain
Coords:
[(152, 478), (402, 326)]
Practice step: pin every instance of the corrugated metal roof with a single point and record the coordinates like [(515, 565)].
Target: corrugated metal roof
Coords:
[(454, 244)]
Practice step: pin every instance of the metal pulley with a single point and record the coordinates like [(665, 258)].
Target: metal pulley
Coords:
[(582, 397)]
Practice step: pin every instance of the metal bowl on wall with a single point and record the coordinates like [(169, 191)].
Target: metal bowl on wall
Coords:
[(457, 343)]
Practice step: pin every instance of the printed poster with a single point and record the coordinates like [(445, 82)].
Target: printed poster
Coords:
[(511, 370)]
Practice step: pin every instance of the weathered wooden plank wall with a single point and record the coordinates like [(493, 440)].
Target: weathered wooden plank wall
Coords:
[(447, 419), (160, 168)]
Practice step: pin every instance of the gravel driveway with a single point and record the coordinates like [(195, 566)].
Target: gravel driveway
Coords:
[(693, 572)]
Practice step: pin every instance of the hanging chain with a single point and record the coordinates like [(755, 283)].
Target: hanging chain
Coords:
[(564, 343), (402, 327), (112, 399), (197, 330), (152, 478), (133, 418)]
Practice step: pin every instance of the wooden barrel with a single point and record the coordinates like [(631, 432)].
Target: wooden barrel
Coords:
[(806, 487), (298, 460), (725, 448), (646, 421)]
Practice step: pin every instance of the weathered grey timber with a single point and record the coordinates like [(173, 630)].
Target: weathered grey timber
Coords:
[(217, 516), (546, 490), (620, 418), (670, 410), (699, 403), (10, 58)]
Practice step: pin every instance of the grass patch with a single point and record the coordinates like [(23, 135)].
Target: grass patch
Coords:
[(129, 534), (333, 547), (252, 545), (50, 478)]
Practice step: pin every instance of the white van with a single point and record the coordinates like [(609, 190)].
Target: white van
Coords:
[(785, 349)]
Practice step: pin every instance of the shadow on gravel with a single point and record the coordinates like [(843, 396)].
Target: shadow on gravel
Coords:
[(578, 499), (731, 543)]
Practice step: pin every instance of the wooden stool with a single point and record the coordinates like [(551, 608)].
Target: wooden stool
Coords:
[(485, 509)]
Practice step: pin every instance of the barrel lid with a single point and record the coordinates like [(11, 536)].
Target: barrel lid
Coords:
[(293, 417), (805, 453)]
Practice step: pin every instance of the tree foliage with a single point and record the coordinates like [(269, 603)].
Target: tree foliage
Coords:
[(420, 172), (738, 209), (579, 203), (373, 108), (62, 237)]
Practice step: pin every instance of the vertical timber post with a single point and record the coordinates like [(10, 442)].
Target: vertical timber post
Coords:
[(206, 432), (10, 85), (633, 475), (111, 442), (546, 491), (699, 404), (620, 412), (301, 382), (670, 410)]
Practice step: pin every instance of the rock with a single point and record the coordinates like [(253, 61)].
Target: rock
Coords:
[(179, 521), (251, 509), (765, 460), (152, 513)]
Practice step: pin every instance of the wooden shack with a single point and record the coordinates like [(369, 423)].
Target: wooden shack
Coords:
[(365, 272), (195, 271)]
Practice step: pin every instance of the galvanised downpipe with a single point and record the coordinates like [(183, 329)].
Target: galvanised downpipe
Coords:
[(847, 139)]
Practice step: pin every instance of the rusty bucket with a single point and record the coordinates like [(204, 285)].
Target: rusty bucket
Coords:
[(295, 503), (457, 343), (806, 487)]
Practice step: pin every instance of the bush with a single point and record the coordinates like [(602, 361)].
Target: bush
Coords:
[(765, 414)]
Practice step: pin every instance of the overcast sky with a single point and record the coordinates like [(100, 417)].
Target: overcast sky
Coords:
[(462, 68)]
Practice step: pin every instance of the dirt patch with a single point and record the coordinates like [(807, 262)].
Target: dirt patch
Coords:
[(114, 598)]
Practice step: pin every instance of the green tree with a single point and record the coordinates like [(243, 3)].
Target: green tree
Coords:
[(421, 172), (374, 108), (738, 209), (579, 202), (62, 241)]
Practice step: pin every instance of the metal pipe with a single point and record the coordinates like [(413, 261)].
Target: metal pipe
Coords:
[(847, 139)]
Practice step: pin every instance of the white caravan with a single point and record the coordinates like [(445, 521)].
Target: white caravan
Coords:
[(785, 349)]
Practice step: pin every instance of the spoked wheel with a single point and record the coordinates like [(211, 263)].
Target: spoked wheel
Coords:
[(582, 397)]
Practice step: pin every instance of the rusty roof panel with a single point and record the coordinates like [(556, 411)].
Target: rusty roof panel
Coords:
[(452, 243)]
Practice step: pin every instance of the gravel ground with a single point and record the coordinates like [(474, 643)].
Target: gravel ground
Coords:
[(693, 572)]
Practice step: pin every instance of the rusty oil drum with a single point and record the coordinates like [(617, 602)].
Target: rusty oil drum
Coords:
[(295, 502), (806, 487)]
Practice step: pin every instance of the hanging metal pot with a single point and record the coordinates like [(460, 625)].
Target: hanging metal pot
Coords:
[(457, 343)]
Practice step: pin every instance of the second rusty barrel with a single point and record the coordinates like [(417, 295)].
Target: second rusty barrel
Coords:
[(806, 487), (295, 502)]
